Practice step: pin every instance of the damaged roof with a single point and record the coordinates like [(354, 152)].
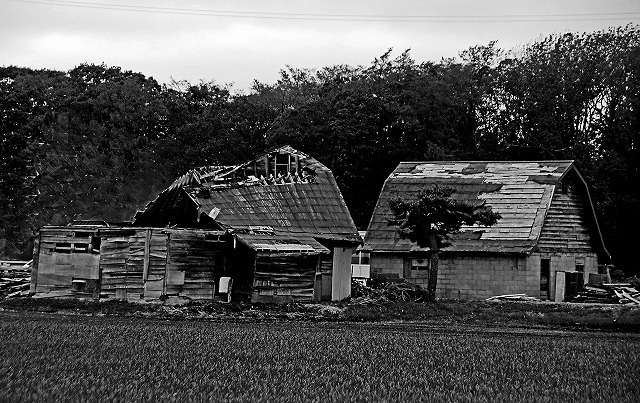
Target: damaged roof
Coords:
[(281, 242), (283, 189), (520, 191)]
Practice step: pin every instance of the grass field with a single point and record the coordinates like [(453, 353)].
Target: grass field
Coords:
[(52, 357)]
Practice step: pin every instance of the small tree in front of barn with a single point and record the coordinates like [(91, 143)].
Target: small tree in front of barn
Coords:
[(433, 217)]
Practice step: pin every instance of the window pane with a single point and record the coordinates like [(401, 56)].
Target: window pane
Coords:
[(364, 258)]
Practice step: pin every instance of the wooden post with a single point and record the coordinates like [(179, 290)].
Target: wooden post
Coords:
[(560, 286), (145, 262), (34, 263)]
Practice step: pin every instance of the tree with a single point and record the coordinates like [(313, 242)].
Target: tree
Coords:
[(433, 217)]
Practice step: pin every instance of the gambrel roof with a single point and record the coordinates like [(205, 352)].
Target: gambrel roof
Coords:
[(283, 189), (520, 191)]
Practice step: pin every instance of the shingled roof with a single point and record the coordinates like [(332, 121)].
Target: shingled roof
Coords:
[(294, 193), (520, 191)]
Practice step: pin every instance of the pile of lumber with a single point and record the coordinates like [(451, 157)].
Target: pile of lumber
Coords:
[(513, 297), (15, 277), (614, 293)]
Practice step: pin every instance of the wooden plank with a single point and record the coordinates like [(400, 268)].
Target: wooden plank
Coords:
[(175, 278), (147, 246), (49, 279)]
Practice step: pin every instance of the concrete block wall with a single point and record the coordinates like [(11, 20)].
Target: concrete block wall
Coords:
[(481, 277), (467, 277)]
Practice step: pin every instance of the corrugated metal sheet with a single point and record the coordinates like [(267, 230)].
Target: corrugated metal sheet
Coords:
[(520, 191), (282, 242)]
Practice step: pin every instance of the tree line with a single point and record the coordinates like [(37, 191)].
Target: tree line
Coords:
[(100, 142)]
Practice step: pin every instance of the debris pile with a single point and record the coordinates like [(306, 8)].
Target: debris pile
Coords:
[(614, 293), (14, 278), (387, 291)]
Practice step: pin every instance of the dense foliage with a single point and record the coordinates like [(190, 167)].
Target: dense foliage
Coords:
[(99, 141), (66, 358)]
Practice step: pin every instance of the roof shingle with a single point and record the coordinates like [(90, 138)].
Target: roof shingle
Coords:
[(520, 191)]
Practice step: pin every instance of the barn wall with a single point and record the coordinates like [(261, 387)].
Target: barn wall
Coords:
[(465, 277), (195, 262), (131, 263), (386, 266), (122, 255), (567, 236), (480, 277), (66, 263), (566, 226), (284, 277), (562, 262)]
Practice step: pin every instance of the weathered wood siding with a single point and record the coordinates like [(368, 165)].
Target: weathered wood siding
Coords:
[(567, 237), (131, 263), (195, 261), (66, 264), (565, 228), (284, 277), (122, 263), (341, 276), (155, 273)]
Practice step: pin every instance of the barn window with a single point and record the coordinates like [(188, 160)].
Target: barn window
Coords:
[(420, 264), (360, 257), (95, 244), (80, 248), (62, 247)]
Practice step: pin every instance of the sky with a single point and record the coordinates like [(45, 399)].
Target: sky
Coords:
[(234, 42)]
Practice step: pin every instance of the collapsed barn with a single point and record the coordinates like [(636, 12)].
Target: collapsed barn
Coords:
[(274, 229)]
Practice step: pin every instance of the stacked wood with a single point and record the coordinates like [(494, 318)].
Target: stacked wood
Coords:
[(14, 278), (613, 293)]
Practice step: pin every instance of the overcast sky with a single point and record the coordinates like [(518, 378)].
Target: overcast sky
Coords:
[(237, 41)]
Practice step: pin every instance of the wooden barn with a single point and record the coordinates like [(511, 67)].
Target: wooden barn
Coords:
[(548, 226), (277, 226)]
